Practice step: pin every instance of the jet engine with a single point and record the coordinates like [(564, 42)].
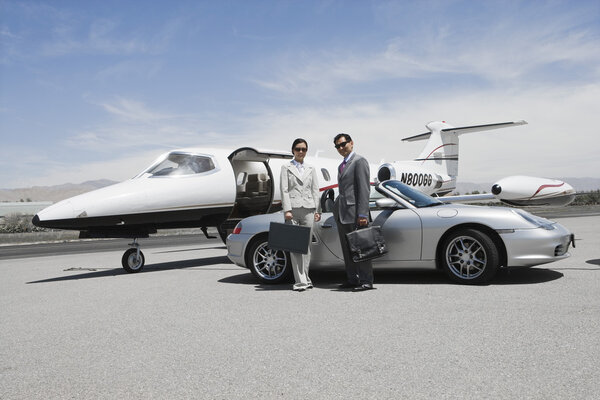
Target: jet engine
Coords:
[(420, 178)]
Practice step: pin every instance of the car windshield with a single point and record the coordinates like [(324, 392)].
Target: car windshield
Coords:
[(182, 164), (413, 196)]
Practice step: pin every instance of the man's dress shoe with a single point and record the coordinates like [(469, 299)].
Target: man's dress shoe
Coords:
[(348, 285), (363, 287)]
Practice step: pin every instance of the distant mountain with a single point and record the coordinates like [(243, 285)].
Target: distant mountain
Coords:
[(583, 184), (52, 193)]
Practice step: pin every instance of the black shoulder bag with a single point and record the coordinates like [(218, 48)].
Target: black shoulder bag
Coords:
[(366, 243)]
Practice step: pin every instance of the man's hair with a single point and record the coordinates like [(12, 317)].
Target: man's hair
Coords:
[(298, 141), (342, 135)]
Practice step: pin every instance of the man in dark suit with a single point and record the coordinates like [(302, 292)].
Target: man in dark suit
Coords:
[(351, 209)]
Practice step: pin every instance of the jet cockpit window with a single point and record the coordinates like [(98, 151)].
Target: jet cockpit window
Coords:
[(179, 164)]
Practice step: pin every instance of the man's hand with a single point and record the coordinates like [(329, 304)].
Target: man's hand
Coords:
[(363, 221), (288, 215), (317, 217)]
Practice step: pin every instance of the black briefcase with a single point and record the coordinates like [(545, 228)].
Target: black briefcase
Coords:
[(289, 237), (366, 243)]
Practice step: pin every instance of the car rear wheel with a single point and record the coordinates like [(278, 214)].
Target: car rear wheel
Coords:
[(268, 265), (469, 256)]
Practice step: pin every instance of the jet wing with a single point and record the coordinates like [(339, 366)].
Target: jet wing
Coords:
[(479, 128), (467, 198)]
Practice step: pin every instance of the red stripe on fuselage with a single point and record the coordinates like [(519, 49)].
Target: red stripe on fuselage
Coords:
[(544, 187), (327, 187)]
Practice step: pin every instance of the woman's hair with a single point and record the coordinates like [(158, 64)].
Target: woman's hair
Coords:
[(298, 141)]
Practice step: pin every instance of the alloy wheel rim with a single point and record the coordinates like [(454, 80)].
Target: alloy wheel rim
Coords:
[(269, 264), (466, 257)]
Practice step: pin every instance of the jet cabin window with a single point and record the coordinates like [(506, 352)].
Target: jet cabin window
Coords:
[(178, 164)]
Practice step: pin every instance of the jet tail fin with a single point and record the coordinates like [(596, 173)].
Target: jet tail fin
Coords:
[(441, 150)]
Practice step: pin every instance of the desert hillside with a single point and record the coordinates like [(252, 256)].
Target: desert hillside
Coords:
[(52, 193)]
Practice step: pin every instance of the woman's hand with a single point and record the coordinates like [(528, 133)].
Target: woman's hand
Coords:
[(288, 215), (317, 217)]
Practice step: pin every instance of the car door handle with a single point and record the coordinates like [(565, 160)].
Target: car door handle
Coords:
[(326, 226)]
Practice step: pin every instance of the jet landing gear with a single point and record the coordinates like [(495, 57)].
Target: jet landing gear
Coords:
[(133, 259)]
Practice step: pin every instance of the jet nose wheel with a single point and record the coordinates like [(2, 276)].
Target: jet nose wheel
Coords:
[(133, 260)]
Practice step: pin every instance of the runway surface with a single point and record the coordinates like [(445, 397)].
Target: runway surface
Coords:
[(193, 325), (96, 246)]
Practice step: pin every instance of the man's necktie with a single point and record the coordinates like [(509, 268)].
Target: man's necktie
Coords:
[(342, 166)]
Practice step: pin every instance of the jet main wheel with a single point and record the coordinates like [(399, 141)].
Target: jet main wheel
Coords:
[(469, 256), (131, 262), (269, 266)]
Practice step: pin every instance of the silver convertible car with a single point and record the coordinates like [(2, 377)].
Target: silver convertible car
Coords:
[(470, 243)]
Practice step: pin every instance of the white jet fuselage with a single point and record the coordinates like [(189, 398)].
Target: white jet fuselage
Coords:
[(200, 187)]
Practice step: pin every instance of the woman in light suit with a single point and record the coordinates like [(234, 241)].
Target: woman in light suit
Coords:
[(301, 205)]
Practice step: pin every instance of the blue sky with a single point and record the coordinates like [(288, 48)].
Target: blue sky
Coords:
[(98, 89)]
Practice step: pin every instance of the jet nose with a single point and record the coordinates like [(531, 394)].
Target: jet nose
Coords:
[(38, 222)]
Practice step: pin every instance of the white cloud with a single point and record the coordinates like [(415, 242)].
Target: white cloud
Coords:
[(132, 125), (133, 111), (504, 53)]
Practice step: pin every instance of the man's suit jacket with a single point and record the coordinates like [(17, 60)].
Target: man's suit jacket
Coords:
[(354, 190), (299, 190)]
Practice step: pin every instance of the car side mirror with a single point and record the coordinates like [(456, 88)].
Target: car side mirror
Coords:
[(386, 203)]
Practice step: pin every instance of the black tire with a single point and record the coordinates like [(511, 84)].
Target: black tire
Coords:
[(130, 261), (469, 256), (269, 266)]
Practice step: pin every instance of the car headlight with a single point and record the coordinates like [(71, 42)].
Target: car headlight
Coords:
[(535, 220)]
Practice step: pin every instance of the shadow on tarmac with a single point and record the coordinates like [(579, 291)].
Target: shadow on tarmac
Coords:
[(326, 279), (196, 249), (593, 262), (166, 266), (331, 279)]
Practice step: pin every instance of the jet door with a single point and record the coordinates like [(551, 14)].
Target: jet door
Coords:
[(255, 186)]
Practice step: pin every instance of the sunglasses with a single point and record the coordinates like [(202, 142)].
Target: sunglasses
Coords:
[(340, 145), (299, 149)]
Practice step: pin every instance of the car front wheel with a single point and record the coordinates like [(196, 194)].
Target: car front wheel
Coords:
[(469, 256), (268, 265)]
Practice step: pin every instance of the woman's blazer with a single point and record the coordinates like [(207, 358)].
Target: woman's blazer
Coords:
[(299, 190)]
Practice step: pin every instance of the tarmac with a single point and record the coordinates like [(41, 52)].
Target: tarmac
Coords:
[(193, 325)]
